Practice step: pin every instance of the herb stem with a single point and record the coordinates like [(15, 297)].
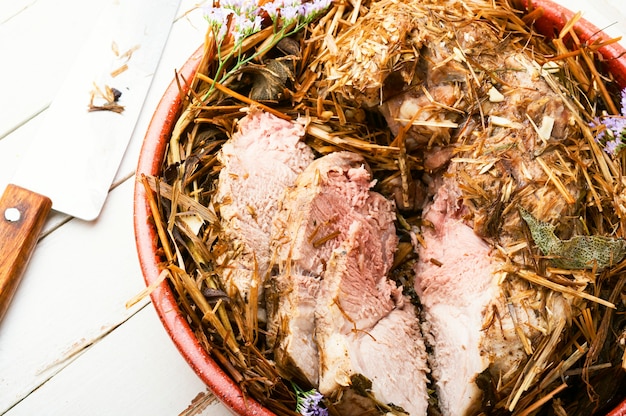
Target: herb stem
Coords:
[(242, 98)]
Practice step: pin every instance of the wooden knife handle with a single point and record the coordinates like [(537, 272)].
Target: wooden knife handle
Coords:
[(22, 215)]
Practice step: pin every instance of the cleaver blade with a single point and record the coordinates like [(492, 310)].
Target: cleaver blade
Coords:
[(72, 161)]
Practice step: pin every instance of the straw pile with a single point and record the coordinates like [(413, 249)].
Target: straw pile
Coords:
[(336, 73)]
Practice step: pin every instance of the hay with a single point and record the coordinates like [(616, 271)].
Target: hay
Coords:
[(346, 57)]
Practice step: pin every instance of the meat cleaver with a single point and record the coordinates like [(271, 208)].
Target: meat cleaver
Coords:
[(74, 158)]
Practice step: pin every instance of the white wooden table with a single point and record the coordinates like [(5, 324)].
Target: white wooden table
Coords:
[(68, 344)]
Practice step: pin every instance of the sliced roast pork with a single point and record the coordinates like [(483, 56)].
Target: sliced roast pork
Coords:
[(263, 158), (314, 219), (482, 320), (332, 311), (502, 126), (479, 320), (366, 330)]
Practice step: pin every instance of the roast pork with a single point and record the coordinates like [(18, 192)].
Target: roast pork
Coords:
[(262, 158), (481, 320), (333, 313), (498, 125)]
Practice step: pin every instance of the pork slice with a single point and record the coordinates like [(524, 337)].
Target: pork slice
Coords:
[(331, 194), (493, 129), (291, 301), (456, 281), (316, 215), (475, 316), (262, 158), (480, 319), (368, 333)]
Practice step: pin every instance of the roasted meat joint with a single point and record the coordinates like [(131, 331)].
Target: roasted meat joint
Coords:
[(425, 217)]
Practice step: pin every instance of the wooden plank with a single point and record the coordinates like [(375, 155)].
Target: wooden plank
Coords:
[(615, 17), (136, 370), (601, 13)]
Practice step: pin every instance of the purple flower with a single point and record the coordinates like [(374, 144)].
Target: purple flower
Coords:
[(612, 136), (273, 9), (243, 18), (612, 147), (312, 9), (615, 124), (239, 6), (291, 12), (218, 21), (244, 27), (217, 15), (310, 403)]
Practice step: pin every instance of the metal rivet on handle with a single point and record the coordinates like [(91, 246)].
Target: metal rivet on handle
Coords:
[(12, 214)]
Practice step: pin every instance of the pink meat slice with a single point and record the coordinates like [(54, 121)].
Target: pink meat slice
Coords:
[(333, 313), (315, 217), (364, 326), (262, 159), (456, 281), (472, 309)]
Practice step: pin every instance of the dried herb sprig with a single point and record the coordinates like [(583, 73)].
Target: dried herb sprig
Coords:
[(595, 252), (309, 403), (243, 18)]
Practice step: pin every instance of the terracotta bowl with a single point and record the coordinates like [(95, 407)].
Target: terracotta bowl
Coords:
[(153, 151)]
